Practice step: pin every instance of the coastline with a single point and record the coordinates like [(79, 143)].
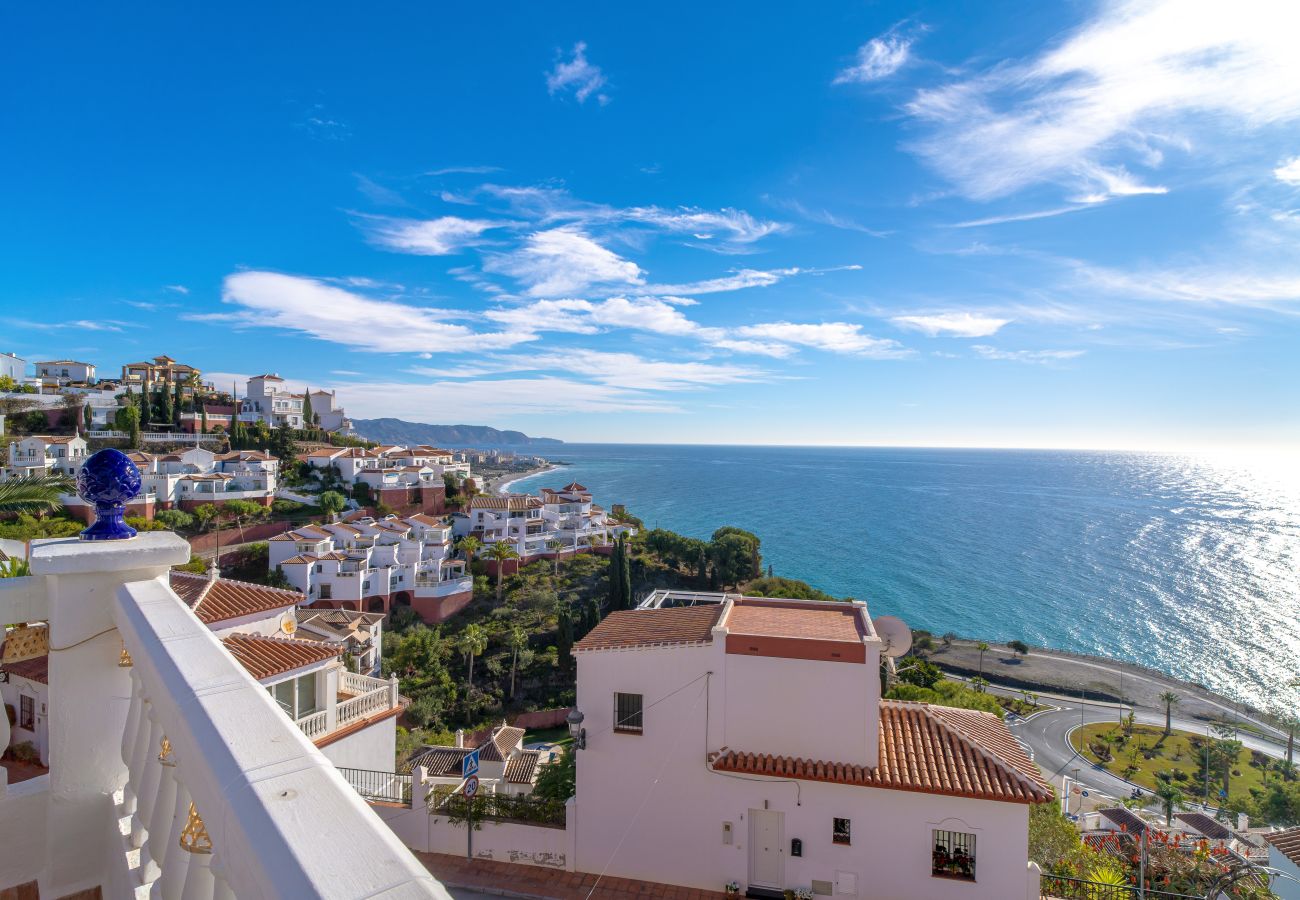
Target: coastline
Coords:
[(498, 488)]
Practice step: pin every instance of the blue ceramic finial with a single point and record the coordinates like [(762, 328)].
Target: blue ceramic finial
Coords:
[(108, 480)]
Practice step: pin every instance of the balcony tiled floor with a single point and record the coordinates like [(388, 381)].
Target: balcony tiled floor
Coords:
[(536, 881)]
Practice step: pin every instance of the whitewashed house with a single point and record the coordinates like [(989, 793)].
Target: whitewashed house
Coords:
[(1284, 855), (505, 767), (361, 634), (45, 455), (13, 366), (60, 372), (266, 401), (333, 418), (749, 743), (375, 565), (533, 526)]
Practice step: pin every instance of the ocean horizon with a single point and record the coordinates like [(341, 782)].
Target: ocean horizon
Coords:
[(1182, 562)]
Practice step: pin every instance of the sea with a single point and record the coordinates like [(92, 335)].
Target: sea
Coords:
[(1189, 564)]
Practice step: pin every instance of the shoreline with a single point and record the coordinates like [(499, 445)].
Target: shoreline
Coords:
[(503, 487)]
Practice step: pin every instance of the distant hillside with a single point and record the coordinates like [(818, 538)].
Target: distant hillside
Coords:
[(395, 431)]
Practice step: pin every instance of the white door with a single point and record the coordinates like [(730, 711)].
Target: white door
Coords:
[(766, 853)]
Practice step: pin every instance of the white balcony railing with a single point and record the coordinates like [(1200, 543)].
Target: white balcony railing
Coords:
[(261, 811)]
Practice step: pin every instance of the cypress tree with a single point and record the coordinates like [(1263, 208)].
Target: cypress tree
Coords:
[(203, 421), (615, 575), (177, 403), (85, 415), (564, 635), (625, 572), (308, 417), (702, 567), (143, 409)]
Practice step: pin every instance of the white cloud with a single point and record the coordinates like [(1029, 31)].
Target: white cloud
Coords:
[(1232, 285), (733, 226), (1137, 73), (564, 261), (577, 75), (1020, 217), (79, 324), (1289, 171), (628, 370), (330, 313), (759, 348), (745, 278), (957, 324), (1026, 356), (426, 237), (182, 289), (490, 398), (836, 337), (878, 58)]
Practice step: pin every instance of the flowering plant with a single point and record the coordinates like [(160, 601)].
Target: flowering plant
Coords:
[(803, 893), (732, 887)]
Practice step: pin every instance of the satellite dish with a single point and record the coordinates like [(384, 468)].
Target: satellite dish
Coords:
[(894, 634)]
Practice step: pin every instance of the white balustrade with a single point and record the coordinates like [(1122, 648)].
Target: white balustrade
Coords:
[(243, 805), (315, 725)]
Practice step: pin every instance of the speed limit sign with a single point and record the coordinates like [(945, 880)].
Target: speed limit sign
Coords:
[(471, 786)]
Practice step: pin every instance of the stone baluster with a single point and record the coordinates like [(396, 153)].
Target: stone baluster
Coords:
[(154, 853), (147, 788), (130, 738), (175, 863)]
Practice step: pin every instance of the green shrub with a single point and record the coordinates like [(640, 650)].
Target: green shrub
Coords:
[(175, 519)]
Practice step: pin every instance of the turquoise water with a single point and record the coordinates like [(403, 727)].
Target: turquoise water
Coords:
[(1187, 564)]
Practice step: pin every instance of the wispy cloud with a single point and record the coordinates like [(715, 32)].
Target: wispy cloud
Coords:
[(564, 261), (1020, 217), (425, 237), (578, 76), (740, 280), (1237, 285), (878, 58), (78, 324), (321, 310), (1025, 356), (463, 170), (494, 398), (957, 324), (1129, 82), (836, 337), (176, 288), (824, 217)]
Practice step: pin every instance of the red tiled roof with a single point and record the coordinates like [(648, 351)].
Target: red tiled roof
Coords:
[(1287, 843), (522, 768), (931, 749), (34, 669), (497, 747), (265, 657), (823, 621), (652, 628), (223, 599)]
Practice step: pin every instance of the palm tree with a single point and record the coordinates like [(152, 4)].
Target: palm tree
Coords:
[(518, 641), (500, 552), (473, 641), (1172, 797), (1169, 699), (469, 545), (34, 494), (555, 547), (982, 647)]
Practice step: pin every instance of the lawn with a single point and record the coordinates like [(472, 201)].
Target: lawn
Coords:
[(559, 735), (1182, 754)]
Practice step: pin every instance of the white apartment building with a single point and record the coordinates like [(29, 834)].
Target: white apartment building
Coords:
[(333, 418), (40, 454), (374, 565), (266, 401), (13, 366), (749, 743), (534, 525), (174, 769), (354, 462), (65, 371)]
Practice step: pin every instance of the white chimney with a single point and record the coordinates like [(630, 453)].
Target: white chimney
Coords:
[(1243, 821), (460, 737)]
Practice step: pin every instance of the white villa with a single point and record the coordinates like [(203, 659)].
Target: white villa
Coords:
[(265, 400), (360, 633), (374, 565), (60, 372), (505, 767), (182, 480), (333, 418), (13, 366), (763, 717), (407, 479), (533, 526), (196, 748)]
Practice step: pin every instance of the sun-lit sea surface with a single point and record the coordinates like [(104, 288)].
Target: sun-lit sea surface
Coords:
[(1184, 563)]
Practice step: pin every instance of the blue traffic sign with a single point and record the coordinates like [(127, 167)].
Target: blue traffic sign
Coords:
[(469, 765)]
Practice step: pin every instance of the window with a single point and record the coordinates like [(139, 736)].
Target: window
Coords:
[(27, 713), (307, 695), (954, 855), (327, 591), (627, 713), (840, 832)]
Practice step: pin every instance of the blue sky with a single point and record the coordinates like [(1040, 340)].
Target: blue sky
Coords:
[(986, 224)]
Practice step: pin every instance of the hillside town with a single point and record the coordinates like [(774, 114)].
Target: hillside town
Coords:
[(344, 592)]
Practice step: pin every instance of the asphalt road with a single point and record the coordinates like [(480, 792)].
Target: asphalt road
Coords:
[(1047, 736)]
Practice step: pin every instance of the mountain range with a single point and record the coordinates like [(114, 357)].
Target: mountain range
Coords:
[(397, 431)]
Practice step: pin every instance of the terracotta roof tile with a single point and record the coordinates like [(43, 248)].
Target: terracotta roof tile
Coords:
[(503, 740), (440, 761), (266, 657), (522, 768), (652, 627), (35, 669), (823, 621), (922, 748), (1287, 843), (223, 599)]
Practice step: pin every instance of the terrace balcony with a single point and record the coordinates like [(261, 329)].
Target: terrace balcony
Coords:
[(360, 696), (173, 773)]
